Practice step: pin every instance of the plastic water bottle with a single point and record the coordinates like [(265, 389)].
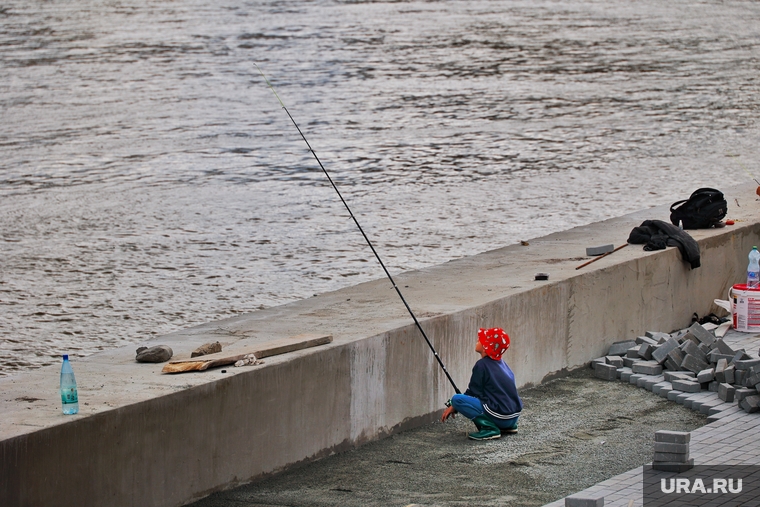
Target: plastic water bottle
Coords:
[(68, 388), (753, 269)]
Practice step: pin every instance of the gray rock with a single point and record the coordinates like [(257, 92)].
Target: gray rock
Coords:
[(157, 354), (207, 348)]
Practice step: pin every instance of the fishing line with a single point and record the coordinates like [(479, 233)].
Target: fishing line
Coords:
[(398, 291)]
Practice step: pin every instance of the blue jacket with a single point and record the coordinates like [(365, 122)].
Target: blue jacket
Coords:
[(493, 383)]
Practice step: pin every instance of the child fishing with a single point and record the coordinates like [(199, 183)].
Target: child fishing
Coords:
[(491, 400)]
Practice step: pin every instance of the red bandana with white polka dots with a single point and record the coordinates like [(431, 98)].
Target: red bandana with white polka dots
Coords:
[(495, 341)]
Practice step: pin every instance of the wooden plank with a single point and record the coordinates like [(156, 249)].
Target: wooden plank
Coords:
[(266, 349), (298, 342)]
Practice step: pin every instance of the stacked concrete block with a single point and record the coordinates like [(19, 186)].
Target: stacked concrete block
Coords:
[(671, 451)]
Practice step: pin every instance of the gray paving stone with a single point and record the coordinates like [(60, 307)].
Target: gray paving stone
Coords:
[(720, 368), (657, 335), (706, 375), (693, 363), (703, 335), (709, 405), (672, 437), (729, 373), (687, 375), (628, 361), (750, 404), (686, 386), (645, 351), (722, 347), (753, 379), (625, 374), (681, 398), (584, 500), (671, 365), (647, 367), (673, 466), (716, 356), (635, 378), (746, 364), (620, 348), (658, 386), (633, 352), (617, 361), (661, 353), (743, 392), (690, 348), (652, 381), (605, 371), (673, 394), (726, 392), (677, 357), (664, 391), (676, 457), (670, 447), (724, 409)]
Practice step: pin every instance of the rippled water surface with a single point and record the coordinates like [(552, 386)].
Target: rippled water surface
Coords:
[(149, 179)]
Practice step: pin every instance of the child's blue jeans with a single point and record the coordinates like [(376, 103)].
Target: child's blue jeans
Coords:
[(471, 407)]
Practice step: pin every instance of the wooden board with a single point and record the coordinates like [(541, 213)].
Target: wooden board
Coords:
[(266, 349)]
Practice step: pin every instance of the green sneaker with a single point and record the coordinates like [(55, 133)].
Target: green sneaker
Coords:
[(486, 429)]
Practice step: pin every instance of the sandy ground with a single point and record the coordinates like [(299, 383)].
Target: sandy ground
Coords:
[(574, 432)]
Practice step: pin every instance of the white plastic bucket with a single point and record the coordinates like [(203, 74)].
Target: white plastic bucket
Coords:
[(745, 308)]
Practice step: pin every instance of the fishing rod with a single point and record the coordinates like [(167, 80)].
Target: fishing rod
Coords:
[(398, 291)]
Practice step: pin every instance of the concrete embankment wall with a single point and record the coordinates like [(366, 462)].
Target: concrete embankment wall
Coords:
[(143, 438)]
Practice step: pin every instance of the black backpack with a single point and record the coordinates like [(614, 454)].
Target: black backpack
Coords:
[(704, 209)]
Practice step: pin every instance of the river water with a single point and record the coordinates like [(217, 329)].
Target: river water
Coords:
[(150, 180)]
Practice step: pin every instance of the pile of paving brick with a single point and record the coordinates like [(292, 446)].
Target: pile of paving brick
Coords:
[(671, 451), (684, 366)]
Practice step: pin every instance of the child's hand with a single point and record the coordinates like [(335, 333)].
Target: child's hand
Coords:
[(449, 412)]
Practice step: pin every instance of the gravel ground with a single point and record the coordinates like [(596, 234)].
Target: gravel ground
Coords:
[(574, 432)]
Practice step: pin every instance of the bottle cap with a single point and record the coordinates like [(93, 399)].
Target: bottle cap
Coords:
[(65, 357)]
